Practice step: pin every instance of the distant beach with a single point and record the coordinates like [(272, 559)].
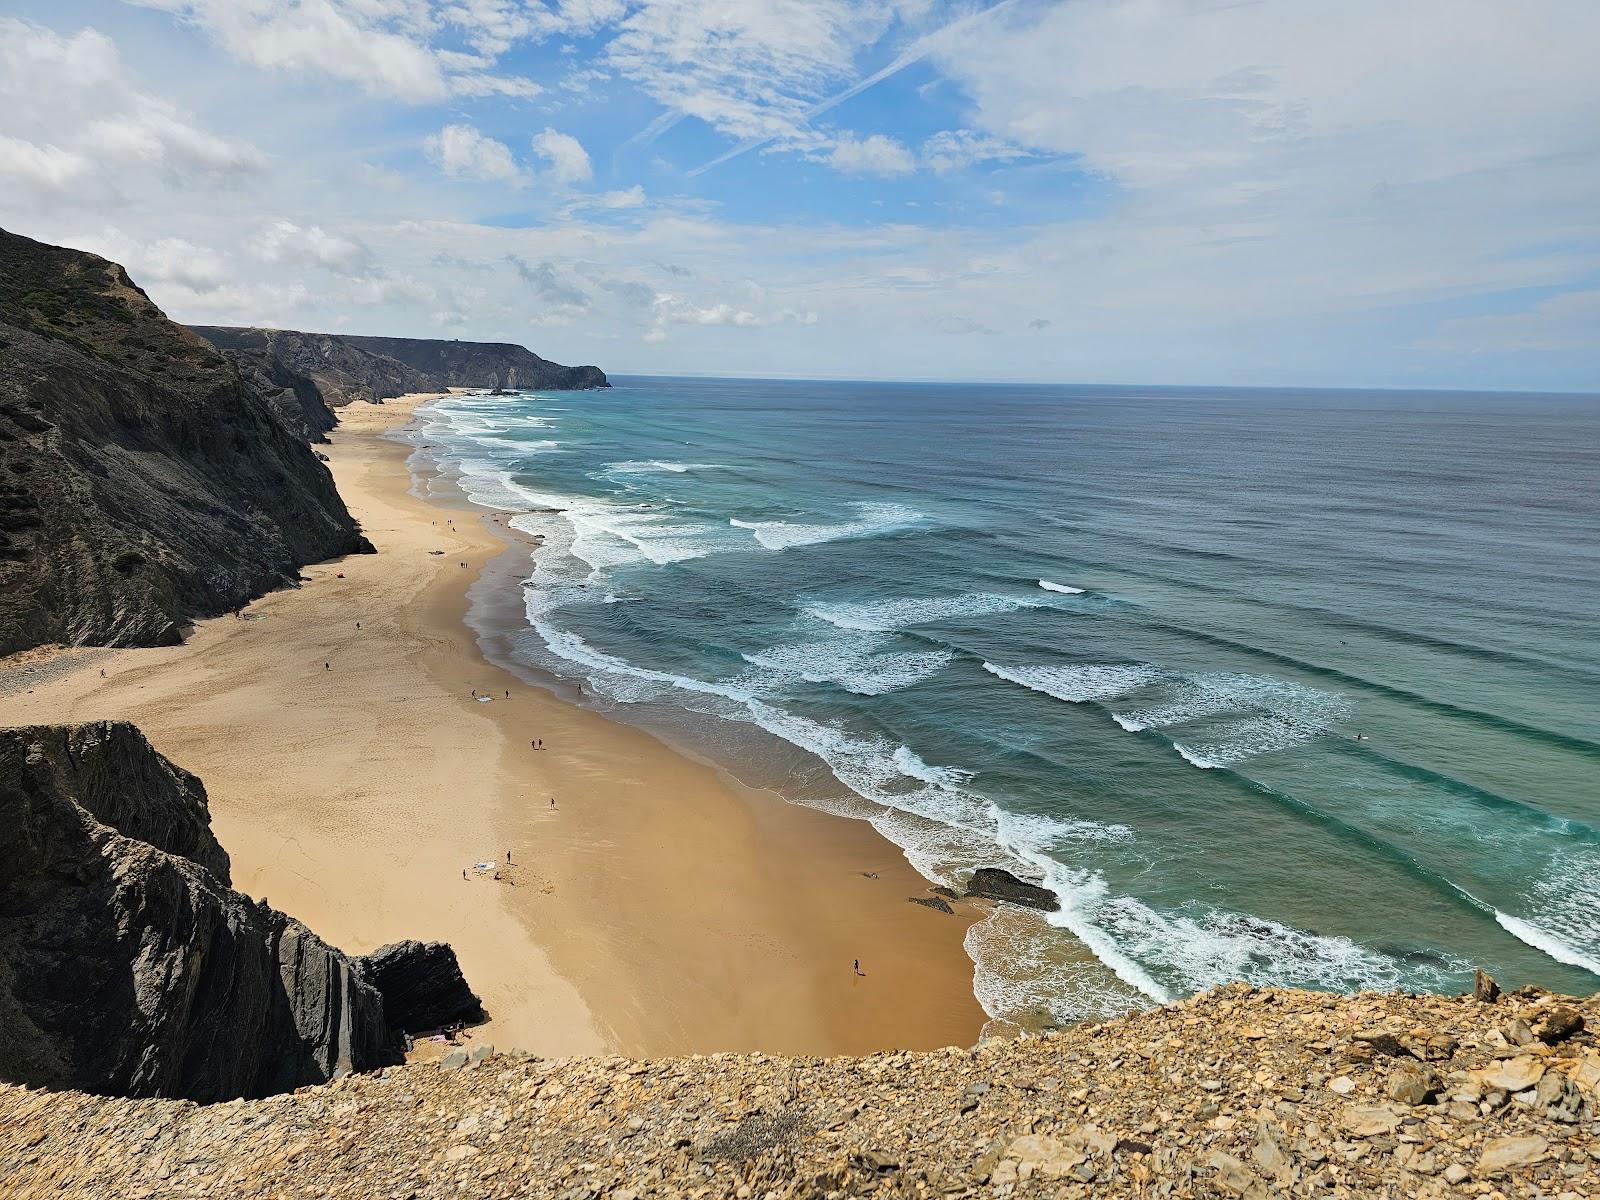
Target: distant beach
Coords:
[(355, 777)]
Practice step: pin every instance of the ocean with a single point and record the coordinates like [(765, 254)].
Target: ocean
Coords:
[(1298, 687)]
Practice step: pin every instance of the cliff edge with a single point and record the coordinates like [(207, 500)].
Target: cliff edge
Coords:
[(143, 482), (347, 367)]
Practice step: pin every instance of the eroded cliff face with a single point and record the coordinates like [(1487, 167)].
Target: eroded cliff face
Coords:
[(346, 367), (128, 965), (143, 483)]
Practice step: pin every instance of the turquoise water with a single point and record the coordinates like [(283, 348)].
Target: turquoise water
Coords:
[(1298, 687)]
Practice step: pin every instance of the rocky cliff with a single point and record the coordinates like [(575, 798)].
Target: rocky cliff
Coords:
[(128, 965), (345, 367), (143, 482), (1236, 1093)]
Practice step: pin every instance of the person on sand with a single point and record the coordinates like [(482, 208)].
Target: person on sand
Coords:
[(463, 872), (552, 801), (327, 666), (497, 876), (508, 856), (858, 969)]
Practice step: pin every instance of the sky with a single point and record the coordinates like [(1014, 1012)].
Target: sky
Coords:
[(1233, 192)]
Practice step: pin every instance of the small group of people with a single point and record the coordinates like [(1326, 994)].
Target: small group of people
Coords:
[(497, 876)]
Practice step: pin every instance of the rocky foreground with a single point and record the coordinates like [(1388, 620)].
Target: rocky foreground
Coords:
[(1237, 1093)]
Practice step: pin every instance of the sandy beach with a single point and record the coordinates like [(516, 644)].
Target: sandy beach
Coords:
[(656, 908)]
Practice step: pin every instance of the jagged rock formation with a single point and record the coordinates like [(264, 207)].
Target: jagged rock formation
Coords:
[(993, 883), (345, 367), (1236, 1093), (143, 483), (296, 398), (421, 985), (127, 963)]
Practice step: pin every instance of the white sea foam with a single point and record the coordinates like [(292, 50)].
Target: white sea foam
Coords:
[(1033, 833), (871, 520), (1243, 716), (656, 465), (909, 763), (1566, 895), (1191, 755), (1078, 682), (885, 616), (1063, 588), (1023, 969), (856, 662), (1127, 723)]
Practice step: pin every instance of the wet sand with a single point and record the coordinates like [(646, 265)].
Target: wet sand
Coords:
[(659, 908)]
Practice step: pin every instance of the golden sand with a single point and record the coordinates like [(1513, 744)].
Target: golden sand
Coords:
[(657, 909)]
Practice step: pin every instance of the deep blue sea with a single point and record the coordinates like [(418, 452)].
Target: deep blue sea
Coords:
[(1296, 687)]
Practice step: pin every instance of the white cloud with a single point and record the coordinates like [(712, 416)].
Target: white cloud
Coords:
[(376, 291), (569, 161), (42, 171), (626, 198), (674, 310), (463, 152), (748, 70), (286, 242), (1560, 323), (59, 144), (956, 149), (176, 261), (875, 154), (386, 47)]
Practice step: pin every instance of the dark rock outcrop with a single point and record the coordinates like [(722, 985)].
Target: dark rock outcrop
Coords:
[(421, 984), (992, 883), (143, 482), (127, 964), (346, 367)]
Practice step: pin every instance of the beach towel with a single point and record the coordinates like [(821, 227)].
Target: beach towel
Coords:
[(484, 699)]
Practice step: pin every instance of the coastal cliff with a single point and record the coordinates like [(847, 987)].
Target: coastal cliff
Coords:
[(143, 482), (1235, 1093), (346, 367), (129, 965)]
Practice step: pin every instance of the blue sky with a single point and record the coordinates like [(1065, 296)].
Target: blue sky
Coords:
[(1169, 191)]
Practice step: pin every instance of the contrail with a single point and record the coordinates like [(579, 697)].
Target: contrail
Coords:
[(652, 131), (917, 51)]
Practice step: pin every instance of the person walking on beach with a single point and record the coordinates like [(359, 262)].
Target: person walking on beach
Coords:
[(552, 801), (463, 872), (508, 856), (327, 666), (858, 969)]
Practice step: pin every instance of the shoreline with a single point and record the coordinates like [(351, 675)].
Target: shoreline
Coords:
[(659, 909)]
